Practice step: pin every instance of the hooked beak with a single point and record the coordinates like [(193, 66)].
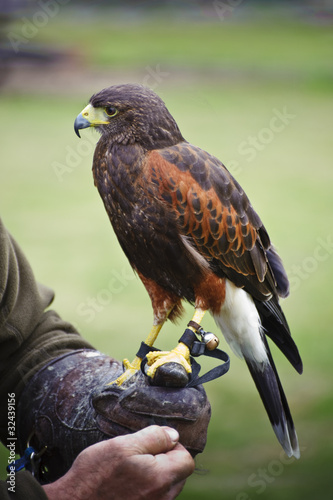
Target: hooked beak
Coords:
[(90, 117)]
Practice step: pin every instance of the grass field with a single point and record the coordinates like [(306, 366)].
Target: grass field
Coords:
[(234, 78)]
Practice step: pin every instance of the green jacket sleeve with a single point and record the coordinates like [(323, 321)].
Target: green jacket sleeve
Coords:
[(26, 488), (29, 335)]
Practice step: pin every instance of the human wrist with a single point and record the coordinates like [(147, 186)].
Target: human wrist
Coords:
[(66, 488)]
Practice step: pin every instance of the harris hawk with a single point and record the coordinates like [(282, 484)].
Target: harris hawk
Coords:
[(190, 232)]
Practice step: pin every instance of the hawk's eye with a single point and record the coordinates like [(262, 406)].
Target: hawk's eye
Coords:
[(111, 111)]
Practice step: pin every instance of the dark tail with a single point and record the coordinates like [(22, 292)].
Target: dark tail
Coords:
[(275, 326), (272, 395)]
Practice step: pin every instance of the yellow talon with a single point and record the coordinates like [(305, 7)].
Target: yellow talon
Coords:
[(179, 354), (130, 370)]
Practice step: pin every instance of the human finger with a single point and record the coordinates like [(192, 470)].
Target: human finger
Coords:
[(151, 440)]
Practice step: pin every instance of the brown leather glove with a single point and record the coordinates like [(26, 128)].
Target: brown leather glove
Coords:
[(68, 406)]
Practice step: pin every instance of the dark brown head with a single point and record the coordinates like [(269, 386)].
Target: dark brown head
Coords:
[(128, 114)]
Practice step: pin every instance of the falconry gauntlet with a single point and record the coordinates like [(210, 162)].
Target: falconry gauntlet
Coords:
[(63, 410)]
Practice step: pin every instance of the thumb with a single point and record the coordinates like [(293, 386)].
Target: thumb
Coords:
[(154, 440)]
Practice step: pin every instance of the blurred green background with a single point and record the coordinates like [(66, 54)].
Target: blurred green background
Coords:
[(225, 70)]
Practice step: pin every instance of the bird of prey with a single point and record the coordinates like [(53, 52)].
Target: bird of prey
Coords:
[(190, 232)]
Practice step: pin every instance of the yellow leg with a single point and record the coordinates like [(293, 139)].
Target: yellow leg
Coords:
[(131, 368), (180, 354), (153, 334), (197, 317)]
